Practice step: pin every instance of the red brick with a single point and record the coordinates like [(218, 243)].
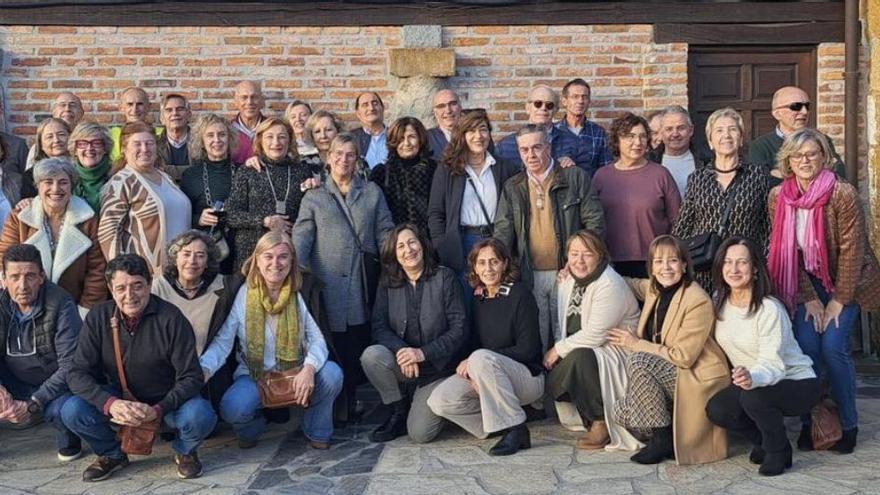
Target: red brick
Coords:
[(243, 40), (202, 62), (367, 61), (56, 51), (302, 50), (31, 61), (473, 41), (57, 29), (249, 61), (117, 61), (141, 50), (264, 50), (28, 83), (199, 83), (158, 61), (68, 84), (286, 61), (491, 29), (613, 71)]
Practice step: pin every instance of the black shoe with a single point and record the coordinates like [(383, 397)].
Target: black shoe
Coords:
[(247, 443), (847, 442), (756, 456), (72, 452), (394, 426), (775, 463), (659, 448), (533, 414), (805, 439), (514, 439), (103, 467), (188, 466)]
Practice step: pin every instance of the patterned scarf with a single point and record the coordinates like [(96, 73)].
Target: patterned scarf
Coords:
[(575, 304), (287, 338), (783, 259), (91, 180), (407, 185)]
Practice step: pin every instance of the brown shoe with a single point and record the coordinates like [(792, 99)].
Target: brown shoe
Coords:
[(188, 466), (596, 438), (319, 445), (103, 467)]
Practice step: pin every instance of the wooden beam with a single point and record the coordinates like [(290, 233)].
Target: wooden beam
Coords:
[(333, 13), (750, 34)]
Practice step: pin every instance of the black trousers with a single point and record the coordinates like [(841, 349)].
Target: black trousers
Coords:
[(758, 414), (349, 346), (575, 379)]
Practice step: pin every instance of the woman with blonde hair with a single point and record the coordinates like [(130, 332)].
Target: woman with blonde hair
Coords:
[(89, 146), (276, 332)]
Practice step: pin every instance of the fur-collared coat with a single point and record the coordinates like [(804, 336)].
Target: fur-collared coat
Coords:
[(78, 264)]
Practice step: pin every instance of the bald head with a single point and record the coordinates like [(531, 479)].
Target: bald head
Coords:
[(791, 108), (542, 105), (134, 104), (249, 100), (447, 109), (68, 107)]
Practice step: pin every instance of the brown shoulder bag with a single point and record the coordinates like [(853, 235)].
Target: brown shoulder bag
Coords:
[(826, 429), (276, 389), (137, 440)]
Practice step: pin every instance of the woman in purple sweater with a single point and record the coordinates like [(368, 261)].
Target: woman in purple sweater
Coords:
[(639, 197)]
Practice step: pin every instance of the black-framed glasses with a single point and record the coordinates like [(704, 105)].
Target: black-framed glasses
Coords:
[(539, 104), (796, 106)]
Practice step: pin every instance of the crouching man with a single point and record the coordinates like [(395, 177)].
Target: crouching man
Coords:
[(160, 367)]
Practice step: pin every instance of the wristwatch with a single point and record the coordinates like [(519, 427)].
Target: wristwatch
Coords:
[(33, 406)]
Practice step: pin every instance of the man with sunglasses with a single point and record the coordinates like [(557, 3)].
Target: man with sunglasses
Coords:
[(592, 149), (541, 107), (39, 327), (791, 109)]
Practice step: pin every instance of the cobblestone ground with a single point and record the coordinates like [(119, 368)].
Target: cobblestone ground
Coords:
[(454, 464)]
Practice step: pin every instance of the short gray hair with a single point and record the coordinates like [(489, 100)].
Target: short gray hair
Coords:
[(533, 128), (677, 109), (728, 112), (185, 239), (53, 167), (86, 129)]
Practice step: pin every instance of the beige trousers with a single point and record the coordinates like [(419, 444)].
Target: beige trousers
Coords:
[(490, 401)]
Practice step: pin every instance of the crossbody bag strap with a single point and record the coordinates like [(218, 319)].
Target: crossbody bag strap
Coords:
[(117, 351), (728, 207), (479, 200), (357, 238)]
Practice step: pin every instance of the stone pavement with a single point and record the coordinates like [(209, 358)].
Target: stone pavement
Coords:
[(454, 464)]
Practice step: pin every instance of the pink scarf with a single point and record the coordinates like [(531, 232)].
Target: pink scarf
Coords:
[(783, 260)]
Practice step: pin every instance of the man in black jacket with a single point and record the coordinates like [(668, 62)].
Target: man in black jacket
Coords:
[(39, 325), (160, 366)]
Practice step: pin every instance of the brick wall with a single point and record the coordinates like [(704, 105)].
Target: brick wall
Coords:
[(329, 66)]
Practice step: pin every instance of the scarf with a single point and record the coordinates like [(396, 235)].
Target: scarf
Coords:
[(91, 180), (287, 338), (654, 323), (575, 303), (783, 259), (407, 185)]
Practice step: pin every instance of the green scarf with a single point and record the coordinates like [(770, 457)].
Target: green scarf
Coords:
[(575, 303), (91, 180), (287, 339)]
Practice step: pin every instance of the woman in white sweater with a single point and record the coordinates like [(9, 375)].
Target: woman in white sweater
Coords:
[(772, 377), (586, 375)]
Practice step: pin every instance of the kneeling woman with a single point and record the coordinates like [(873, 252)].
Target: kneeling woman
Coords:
[(276, 333), (489, 387), (587, 376), (675, 363), (772, 377), (420, 332)]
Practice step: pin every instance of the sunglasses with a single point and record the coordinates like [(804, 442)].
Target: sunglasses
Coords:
[(549, 105), (82, 144), (796, 106)]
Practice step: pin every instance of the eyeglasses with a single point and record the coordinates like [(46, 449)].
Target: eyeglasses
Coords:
[(796, 106), (444, 106), (810, 156), (539, 104), (82, 144)]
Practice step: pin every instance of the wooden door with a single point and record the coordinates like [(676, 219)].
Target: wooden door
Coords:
[(745, 78)]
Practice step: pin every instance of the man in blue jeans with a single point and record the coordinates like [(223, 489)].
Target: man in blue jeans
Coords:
[(160, 365), (39, 325)]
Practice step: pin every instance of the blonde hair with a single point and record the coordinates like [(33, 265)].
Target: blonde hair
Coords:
[(721, 113), (129, 130), (197, 144), (267, 124), (269, 240), (308, 132), (86, 129), (39, 138), (794, 141)]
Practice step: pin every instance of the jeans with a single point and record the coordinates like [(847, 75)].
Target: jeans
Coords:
[(241, 406), (64, 438), (830, 352), (194, 420)]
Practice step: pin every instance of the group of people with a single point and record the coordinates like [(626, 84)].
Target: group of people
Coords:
[(161, 275)]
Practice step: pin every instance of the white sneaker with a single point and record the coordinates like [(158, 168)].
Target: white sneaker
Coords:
[(67, 455)]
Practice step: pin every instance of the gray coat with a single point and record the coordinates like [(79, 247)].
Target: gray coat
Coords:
[(325, 244)]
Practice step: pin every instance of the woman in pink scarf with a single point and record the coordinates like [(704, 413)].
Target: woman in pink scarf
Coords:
[(822, 267)]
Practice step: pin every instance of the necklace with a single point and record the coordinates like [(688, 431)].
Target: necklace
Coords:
[(280, 206), (718, 170), (48, 229), (188, 291)]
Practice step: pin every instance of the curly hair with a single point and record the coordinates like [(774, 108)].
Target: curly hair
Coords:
[(621, 126), (511, 266), (185, 239), (196, 144)]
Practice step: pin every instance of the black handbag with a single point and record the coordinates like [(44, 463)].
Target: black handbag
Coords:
[(703, 247)]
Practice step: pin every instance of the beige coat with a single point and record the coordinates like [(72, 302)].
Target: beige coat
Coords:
[(687, 343)]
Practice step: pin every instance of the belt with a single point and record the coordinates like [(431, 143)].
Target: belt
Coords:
[(480, 230)]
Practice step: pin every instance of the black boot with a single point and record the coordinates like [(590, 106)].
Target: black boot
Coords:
[(395, 425), (805, 439), (757, 455), (847, 442), (775, 463), (514, 439), (659, 448)]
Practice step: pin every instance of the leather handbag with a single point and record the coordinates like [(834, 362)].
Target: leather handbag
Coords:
[(826, 429), (703, 247), (137, 440), (276, 389)]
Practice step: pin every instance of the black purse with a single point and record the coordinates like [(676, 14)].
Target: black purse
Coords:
[(703, 247)]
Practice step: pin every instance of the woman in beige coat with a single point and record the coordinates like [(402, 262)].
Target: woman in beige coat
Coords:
[(674, 360)]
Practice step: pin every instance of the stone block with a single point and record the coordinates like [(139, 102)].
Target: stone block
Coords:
[(422, 36), (435, 62)]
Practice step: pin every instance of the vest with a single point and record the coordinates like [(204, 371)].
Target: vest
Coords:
[(48, 305)]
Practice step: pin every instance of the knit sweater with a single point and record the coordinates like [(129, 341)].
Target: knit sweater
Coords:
[(763, 343), (508, 324)]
